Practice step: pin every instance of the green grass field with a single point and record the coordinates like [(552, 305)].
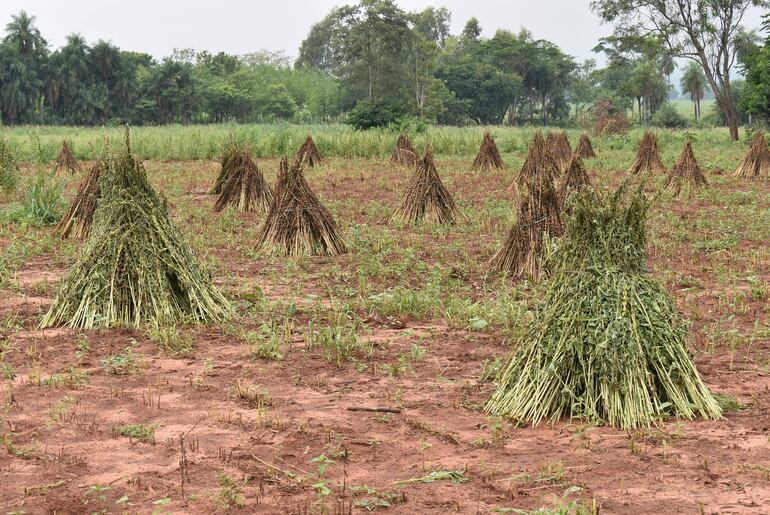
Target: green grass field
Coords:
[(41, 144)]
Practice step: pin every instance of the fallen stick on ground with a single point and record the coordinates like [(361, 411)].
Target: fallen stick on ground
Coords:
[(374, 409)]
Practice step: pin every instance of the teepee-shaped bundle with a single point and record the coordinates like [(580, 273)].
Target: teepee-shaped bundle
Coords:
[(230, 159), (488, 157), (297, 222), (559, 148), (425, 197), (136, 267), (245, 187), (606, 344), (648, 156), (66, 162), (584, 148), (757, 161), (308, 154), (538, 219), (404, 153), (539, 161), (575, 179), (79, 217), (686, 174)]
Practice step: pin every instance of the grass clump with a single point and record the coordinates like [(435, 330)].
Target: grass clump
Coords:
[(139, 432), (135, 268), (606, 343), (9, 170), (42, 204)]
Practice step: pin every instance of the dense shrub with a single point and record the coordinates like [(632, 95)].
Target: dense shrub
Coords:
[(668, 116)]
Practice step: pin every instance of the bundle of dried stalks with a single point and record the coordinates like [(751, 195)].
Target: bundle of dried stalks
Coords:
[(575, 179), (648, 156), (757, 161), (245, 188), (585, 149), (686, 176), (559, 148), (404, 153), (297, 223), (425, 197), (538, 218), (230, 159), (79, 217), (488, 157), (66, 162), (538, 161), (308, 154)]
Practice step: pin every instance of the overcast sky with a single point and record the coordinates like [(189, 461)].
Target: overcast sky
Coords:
[(238, 27)]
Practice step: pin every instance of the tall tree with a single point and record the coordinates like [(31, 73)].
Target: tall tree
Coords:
[(693, 82), (23, 54), (701, 30)]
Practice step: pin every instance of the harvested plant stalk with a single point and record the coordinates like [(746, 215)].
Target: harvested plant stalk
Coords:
[(135, 268), (557, 145), (245, 187), (538, 216), (686, 176), (297, 222), (574, 180), (606, 344), (66, 162), (757, 160), (648, 156), (426, 198), (308, 154), (404, 153), (488, 157), (78, 219), (584, 148)]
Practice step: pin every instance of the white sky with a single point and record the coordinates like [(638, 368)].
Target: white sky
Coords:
[(238, 27)]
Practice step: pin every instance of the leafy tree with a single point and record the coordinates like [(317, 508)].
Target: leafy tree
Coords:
[(699, 30)]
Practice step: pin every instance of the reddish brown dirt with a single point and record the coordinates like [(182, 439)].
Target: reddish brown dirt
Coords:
[(62, 453)]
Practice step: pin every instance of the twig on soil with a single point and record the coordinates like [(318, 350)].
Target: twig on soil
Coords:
[(376, 409), (288, 474)]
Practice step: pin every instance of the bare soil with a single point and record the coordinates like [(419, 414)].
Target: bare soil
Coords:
[(63, 453)]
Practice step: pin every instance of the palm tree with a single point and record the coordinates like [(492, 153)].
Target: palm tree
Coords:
[(694, 82), (22, 32)]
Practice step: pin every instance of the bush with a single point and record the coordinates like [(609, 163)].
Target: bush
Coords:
[(668, 116), (371, 113)]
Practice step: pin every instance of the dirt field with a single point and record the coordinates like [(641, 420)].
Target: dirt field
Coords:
[(253, 416)]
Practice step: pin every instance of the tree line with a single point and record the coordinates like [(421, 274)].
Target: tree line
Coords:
[(374, 64)]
